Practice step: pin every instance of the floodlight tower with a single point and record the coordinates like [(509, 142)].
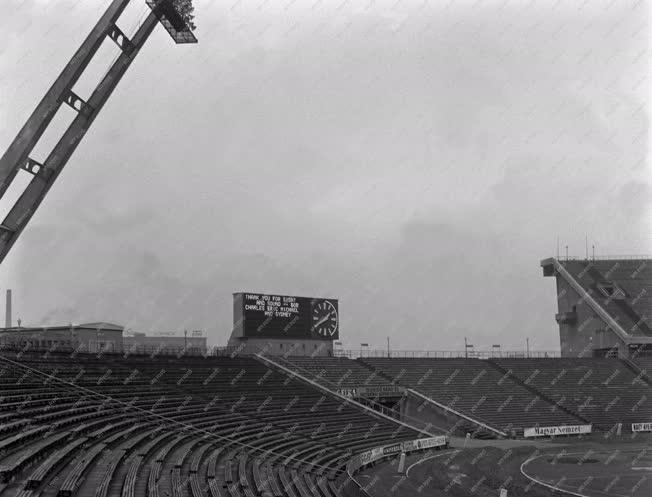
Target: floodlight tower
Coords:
[(17, 156)]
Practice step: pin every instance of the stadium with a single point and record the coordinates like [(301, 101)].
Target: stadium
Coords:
[(282, 410), (279, 411)]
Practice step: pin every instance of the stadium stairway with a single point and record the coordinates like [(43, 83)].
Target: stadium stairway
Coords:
[(375, 389), (349, 378), (321, 382), (337, 372)]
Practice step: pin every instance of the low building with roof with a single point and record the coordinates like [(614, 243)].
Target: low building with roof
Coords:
[(88, 337), (163, 343)]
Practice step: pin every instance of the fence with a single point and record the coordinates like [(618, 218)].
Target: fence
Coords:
[(144, 350), (27, 346), (448, 354), (630, 257)]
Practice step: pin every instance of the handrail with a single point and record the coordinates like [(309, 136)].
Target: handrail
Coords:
[(327, 383), (616, 257), (446, 354), (643, 373), (274, 364), (457, 413)]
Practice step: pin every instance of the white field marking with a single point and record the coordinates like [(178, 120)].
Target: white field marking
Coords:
[(407, 471), (642, 468), (559, 489)]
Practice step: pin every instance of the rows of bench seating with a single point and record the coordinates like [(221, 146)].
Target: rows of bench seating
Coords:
[(644, 362), (475, 388), (337, 372), (603, 391), (174, 426)]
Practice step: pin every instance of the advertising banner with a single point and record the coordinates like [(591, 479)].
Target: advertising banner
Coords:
[(376, 453), (551, 431)]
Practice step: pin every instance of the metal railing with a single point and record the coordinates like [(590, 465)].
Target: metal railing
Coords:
[(275, 363), (630, 257), (475, 420), (34, 346), (447, 354), (141, 350)]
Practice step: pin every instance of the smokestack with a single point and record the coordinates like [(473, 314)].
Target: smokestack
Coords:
[(8, 310)]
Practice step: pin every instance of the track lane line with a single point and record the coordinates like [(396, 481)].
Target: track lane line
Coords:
[(560, 489), (428, 458)]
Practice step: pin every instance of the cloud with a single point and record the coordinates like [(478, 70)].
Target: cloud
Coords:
[(415, 161)]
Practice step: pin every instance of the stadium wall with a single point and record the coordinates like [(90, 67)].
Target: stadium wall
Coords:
[(164, 342), (282, 346), (581, 331)]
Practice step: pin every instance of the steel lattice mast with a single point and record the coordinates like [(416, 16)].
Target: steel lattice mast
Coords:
[(17, 156)]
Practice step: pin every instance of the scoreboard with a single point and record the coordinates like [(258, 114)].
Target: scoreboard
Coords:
[(284, 316)]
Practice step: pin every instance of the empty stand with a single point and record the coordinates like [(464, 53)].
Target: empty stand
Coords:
[(603, 391), (475, 388), (339, 372), (644, 362), (125, 426)]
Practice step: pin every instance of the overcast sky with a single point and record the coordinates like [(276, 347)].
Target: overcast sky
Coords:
[(415, 159)]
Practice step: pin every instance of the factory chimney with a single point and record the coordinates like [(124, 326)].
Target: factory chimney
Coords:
[(8, 310)]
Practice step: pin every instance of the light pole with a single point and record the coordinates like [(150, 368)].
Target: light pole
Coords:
[(97, 340), (467, 346)]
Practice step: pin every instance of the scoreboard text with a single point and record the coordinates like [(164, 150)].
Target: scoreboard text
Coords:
[(284, 316)]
